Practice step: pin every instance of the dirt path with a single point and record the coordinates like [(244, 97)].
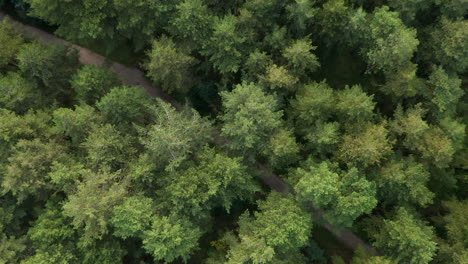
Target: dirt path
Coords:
[(133, 76)]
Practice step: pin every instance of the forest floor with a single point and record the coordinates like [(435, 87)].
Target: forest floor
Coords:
[(134, 76)]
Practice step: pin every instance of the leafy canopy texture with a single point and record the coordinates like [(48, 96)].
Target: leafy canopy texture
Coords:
[(406, 238), (250, 116), (343, 195)]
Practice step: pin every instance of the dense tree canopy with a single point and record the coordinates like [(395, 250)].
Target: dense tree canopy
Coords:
[(286, 132)]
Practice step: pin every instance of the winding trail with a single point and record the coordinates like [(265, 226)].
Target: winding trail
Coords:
[(133, 76)]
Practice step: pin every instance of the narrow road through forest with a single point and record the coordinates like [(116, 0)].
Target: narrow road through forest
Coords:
[(133, 76)]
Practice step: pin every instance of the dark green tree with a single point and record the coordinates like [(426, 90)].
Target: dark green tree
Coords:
[(406, 239)]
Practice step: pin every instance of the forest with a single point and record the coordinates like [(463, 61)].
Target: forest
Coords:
[(284, 132)]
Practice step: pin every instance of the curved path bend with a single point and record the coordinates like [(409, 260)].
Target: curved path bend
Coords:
[(133, 76)]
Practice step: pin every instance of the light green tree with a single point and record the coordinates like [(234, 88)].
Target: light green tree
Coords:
[(28, 166), (250, 117), (279, 228), (279, 78), (107, 146), (343, 195), (18, 93), (354, 104), (313, 102), (169, 67), (404, 82), (216, 181), (133, 216), (174, 136), (193, 22), (388, 43), (91, 206), (92, 82), (125, 105), (367, 145), (300, 58), (171, 238)]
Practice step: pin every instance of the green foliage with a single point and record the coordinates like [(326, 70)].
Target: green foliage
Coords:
[(300, 13), (174, 136), (77, 123), (404, 182), (217, 181), (87, 21), (15, 127), (169, 66), (225, 48), (106, 251), (56, 255), (300, 57), (27, 168), (408, 9), (18, 93), (457, 231), (192, 21), (132, 217), (10, 41), (449, 44), (91, 206), (170, 238), (454, 9), (92, 82), (366, 146), (389, 44), (276, 212), (51, 229), (11, 249), (313, 101), (343, 196), (279, 228), (444, 91), (332, 20), (256, 65), (361, 256), (404, 82), (429, 141), (279, 78), (106, 146), (282, 149), (250, 117), (51, 66), (67, 174), (125, 104), (95, 172), (355, 104), (454, 248), (406, 239)]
